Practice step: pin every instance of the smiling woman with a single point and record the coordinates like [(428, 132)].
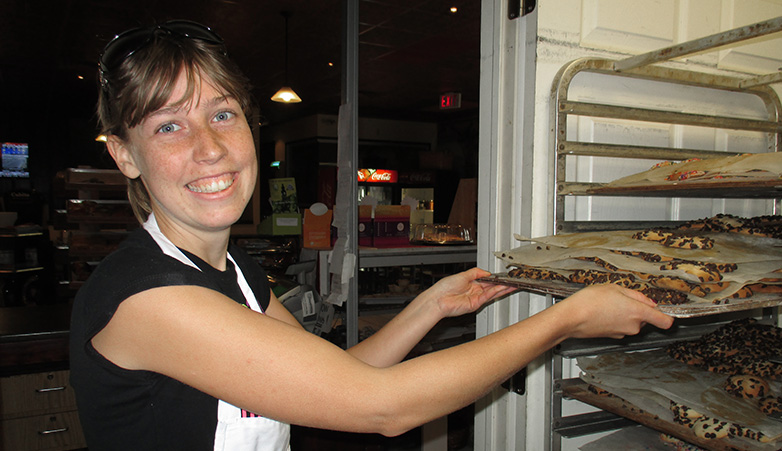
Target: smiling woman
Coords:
[(177, 341), (196, 157), (132, 92)]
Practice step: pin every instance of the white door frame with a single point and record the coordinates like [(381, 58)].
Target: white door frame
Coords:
[(507, 95)]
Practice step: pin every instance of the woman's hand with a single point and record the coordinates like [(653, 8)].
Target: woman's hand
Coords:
[(460, 293), (452, 296), (610, 311)]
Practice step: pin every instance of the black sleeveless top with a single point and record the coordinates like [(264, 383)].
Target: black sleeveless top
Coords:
[(124, 409)]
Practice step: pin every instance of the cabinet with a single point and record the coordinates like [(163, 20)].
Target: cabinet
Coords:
[(38, 412), (37, 405)]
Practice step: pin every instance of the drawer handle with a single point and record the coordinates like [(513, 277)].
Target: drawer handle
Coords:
[(53, 431), (47, 390)]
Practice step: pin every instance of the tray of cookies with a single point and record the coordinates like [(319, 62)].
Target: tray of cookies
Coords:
[(719, 391), (703, 267)]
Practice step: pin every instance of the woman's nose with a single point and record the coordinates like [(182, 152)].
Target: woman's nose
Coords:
[(209, 146)]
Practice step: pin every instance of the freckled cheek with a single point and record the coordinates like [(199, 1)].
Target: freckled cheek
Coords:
[(165, 171), (246, 145), (247, 157)]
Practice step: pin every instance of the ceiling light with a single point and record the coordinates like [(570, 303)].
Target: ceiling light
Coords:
[(454, 9), (286, 94)]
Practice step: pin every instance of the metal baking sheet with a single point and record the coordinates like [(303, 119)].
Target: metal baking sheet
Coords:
[(651, 380), (552, 287), (626, 409), (688, 310), (712, 189)]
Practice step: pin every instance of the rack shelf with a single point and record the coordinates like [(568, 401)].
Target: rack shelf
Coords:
[(767, 189), (566, 150)]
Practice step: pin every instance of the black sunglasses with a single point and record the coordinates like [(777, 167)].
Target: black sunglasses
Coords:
[(129, 42)]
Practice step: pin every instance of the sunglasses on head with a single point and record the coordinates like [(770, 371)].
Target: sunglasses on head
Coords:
[(129, 42)]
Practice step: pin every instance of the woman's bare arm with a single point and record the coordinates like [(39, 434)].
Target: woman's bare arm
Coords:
[(455, 295), (280, 371)]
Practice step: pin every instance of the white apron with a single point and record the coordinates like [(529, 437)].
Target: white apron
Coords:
[(237, 429)]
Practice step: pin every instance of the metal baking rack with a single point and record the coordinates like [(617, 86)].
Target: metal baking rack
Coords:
[(563, 109)]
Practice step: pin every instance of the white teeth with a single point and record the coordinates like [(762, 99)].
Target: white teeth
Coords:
[(213, 187)]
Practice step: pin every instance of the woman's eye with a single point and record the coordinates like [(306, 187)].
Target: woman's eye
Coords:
[(169, 128), (223, 116)]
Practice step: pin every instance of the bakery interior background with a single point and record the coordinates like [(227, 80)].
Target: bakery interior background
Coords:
[(410, 52)]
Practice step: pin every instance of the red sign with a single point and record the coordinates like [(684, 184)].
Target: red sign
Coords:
[(450, 100), (377, 175)]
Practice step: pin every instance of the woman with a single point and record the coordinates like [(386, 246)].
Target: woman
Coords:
[(177, 341)]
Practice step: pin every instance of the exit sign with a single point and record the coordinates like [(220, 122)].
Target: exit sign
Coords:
[(450, 100)]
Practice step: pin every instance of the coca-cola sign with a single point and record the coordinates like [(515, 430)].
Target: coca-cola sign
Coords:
[(417, 178), (377, 175)]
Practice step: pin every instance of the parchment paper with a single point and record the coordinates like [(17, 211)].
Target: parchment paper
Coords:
[(636, 438), (760, 166), (651, 379), (757, 258)]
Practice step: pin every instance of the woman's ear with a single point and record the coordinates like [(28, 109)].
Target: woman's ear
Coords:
[(122, 156)]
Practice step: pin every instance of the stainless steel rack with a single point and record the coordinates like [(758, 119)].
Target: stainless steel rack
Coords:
[(648, 67)]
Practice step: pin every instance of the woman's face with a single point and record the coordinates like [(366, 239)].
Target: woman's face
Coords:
[(197, 160)]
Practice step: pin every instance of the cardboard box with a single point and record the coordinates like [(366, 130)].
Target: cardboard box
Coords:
[(316, 230), (280, 224), (366, 228), (465, 205), (391, 226)]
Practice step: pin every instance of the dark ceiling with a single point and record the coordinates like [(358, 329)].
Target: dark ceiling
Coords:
[(410, 51)]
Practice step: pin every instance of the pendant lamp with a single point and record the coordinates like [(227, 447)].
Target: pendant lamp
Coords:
[(286, 94)]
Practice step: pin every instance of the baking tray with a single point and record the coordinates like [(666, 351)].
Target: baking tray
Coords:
[(688, 310), (719, 188), (577, 389)]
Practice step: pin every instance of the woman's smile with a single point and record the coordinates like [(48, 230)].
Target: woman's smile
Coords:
[(212, 184)]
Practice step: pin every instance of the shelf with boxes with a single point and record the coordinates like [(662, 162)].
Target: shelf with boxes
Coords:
[(382, 226), (92, 217)]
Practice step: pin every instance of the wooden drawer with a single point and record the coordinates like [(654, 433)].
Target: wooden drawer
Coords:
[(59, 431), (35, 394)]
